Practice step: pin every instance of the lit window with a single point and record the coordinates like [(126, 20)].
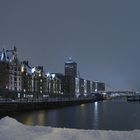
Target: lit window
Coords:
[(22, 69)]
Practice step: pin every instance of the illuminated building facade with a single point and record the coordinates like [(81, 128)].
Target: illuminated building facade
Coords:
[(53, 84), (26, 77), (70, 68), (19, 80), (99, 86), (77, 85), (10, 72)]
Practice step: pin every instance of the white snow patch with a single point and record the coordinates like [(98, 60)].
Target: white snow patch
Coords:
[(10, 129)]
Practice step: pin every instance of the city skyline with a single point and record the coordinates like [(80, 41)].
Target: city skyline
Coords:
[(101, 36)]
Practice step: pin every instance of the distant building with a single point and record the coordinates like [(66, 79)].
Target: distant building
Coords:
[(88, 87), (4, 75), (10, 70), (38, 80), (92, 86), (69, 85), (61, 78), (99, 86), (81, 86), (54, 84), (70, 75), (70, 68), (26, 77), (20, 80)]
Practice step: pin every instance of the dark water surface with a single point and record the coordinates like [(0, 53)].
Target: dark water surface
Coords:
[(106, 115)]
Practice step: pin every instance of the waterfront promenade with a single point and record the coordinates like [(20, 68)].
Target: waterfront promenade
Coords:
[(36, 104)]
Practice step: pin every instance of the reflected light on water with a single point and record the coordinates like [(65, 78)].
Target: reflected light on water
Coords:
[(28, 120), (35, 118), (96, 106), (41, 118), (96, 119), (82, 105)]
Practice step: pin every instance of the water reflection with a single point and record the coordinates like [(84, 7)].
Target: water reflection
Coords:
[(82, 115), (41, 118), (28, 120), (33, 118), (96, 116), (82, 105)]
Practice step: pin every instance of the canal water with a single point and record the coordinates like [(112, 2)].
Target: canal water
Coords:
[(104, 115)]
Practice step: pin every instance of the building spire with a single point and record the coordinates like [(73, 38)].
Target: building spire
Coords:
[(3, 55)]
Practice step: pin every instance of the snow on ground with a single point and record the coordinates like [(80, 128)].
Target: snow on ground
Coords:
[(10, 129)]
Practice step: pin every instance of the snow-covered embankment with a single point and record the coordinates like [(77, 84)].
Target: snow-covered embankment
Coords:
[(10, 129)]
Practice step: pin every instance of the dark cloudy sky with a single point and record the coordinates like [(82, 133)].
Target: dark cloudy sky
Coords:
[(102, 36)]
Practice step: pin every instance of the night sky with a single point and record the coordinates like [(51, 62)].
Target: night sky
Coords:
[(102, 36)]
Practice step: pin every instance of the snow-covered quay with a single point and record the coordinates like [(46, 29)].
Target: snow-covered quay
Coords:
[(10, 129)]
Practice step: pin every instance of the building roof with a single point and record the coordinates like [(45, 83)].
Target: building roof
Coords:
[(8, 55), (69, 61)]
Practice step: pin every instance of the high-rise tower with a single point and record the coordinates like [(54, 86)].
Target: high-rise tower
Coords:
[(71, 68)]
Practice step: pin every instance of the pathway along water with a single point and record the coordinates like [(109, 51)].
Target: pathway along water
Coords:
[(104, 115)]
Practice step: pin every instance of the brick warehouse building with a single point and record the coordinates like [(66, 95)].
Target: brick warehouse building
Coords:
[(19, 80)]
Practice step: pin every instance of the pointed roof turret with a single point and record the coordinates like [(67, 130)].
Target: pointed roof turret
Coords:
[(3, 55)]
